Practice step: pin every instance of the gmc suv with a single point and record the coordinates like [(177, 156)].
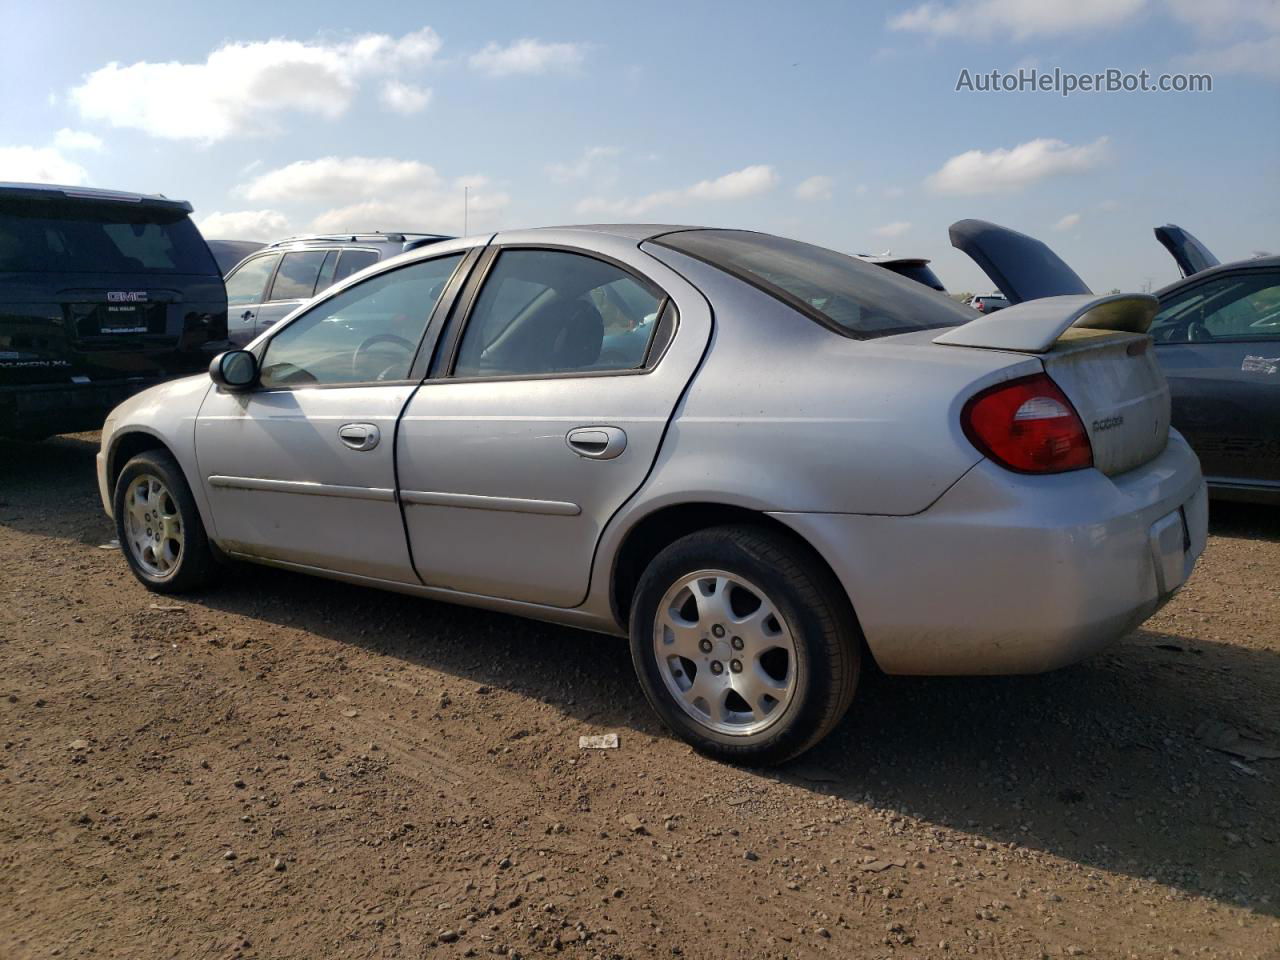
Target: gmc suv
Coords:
[(102, 293)]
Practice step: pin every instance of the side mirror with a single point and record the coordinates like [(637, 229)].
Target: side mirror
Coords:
[(234, 370)]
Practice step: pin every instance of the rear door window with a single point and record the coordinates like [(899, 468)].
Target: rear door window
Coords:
[(544, 312), (353, 261), (65, 236), (296, 278), (247, 284)]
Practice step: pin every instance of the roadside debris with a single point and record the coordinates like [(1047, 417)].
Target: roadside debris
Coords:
[(879, 866), (110, 545), (598, 741), (1241, 743)]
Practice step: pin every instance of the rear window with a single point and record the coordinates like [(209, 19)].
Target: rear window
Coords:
[(84, 237), (851, 297)]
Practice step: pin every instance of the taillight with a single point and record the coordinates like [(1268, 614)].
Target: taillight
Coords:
[(1027, 425)]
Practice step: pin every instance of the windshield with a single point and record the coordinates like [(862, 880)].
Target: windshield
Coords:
[(85, 237), (840, 292)]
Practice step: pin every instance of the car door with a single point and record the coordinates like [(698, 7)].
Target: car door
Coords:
[(293, 285), (246, 289), (545, 411), (1218, 342), (301, 469)]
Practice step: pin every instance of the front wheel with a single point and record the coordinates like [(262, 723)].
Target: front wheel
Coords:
[(744, 643), (158, 526)]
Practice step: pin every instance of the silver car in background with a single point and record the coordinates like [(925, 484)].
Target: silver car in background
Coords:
[(761, 460)]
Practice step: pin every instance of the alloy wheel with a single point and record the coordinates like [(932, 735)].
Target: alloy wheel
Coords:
[(725, 653)]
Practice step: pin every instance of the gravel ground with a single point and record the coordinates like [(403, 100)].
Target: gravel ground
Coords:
[(288, 767)]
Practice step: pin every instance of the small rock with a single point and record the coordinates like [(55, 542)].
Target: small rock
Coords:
[(350, 712), (278, 865), (823, 932), (229, 855), (632, 823), (449, 936), (750, 855), (80, 744)]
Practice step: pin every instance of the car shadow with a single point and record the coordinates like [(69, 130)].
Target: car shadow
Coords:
[(1098, 764)]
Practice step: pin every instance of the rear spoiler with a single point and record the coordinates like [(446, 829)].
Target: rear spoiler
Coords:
[(1035, 325)]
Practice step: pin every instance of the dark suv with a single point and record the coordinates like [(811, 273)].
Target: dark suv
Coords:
[(271, 283), (102, 293)]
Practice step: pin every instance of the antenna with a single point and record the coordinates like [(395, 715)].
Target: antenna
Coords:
[(466, 198)]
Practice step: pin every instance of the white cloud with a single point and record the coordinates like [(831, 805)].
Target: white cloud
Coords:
[(893, 193), (241, 88), (1000, 18), (814, 188), (40, 165), (261, 225), (895, 229), (526, 56), (67, 139), (332, 179), (732, 186), (978, 171), (1226, 16), (376, 193), (586, 165), (404, 98), (1257, 57), (1067, 222)]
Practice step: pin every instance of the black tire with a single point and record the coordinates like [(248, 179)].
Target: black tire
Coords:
[(824, 633), (192, 565)]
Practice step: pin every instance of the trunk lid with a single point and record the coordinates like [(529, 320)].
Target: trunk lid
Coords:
[(1119, 390), (1098, 353), (1021, 267), (1189, 253)]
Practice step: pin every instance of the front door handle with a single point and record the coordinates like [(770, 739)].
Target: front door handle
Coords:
[(359, 436), (597, 443)]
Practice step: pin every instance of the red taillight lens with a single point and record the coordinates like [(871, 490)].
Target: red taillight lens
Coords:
[(1028, 425)]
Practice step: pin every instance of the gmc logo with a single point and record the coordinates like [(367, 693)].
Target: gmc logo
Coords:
[(126, 296)]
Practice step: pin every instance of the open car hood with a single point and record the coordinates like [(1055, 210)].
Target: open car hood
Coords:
[(1191, 255), (1021, 267)]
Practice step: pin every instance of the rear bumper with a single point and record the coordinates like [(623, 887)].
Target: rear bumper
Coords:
[(39, 410), (1017, 574)]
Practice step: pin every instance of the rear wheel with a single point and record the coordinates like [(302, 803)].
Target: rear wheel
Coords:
[(744, 644), (159, 529)]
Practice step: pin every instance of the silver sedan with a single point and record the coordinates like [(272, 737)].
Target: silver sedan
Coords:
[(763, 461)]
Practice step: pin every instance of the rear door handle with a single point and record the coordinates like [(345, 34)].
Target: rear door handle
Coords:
[(359, 436), (597, 443), (247, 316)]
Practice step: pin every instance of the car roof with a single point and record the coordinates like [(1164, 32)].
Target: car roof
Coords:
[(627, 231), (370, 237), (89, 193), (1254, 263)]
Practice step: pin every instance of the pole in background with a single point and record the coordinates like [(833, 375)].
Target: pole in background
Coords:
[(466, 198)]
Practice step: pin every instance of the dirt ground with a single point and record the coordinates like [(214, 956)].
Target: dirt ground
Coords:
[(289, 767)]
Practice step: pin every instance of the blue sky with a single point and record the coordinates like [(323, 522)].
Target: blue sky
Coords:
[(829, 123)]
